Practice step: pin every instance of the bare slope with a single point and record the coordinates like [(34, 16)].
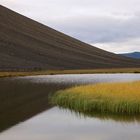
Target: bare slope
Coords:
[(27, 44)]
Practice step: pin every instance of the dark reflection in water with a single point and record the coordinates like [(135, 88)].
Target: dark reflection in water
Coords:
[(24, 97), (21, 99), (106, 116)]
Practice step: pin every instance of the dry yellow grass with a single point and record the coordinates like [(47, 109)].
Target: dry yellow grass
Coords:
[(122, 98), (84, 71)]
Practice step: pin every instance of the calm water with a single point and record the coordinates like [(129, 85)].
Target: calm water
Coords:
[(56, 124), (81, 78), (25, 97)]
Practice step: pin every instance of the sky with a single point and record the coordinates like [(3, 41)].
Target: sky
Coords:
[(112, 25)]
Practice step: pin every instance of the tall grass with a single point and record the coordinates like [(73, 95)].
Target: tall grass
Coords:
[(116, 98)]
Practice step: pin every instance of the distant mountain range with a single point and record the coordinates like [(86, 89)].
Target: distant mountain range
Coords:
[(28, 45), (132, 55)]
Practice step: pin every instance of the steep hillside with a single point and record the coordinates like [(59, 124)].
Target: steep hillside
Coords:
[(29, 45)]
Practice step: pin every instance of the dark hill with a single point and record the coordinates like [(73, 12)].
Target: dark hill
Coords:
[(29, 45), (132, 55)]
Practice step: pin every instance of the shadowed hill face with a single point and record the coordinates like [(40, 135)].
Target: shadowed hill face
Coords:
[(29, 45)]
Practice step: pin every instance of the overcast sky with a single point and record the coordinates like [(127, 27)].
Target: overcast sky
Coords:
[(113, 25)]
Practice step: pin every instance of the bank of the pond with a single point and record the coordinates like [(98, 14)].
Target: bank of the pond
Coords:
[(54, 72), (116, 98)]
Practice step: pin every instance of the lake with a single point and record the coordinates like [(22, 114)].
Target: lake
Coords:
[(26, 113), (57, 124)]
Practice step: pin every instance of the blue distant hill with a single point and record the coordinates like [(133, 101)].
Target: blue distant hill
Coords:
[(132, 55)]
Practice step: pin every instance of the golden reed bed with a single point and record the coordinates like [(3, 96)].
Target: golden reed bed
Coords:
[(116, 98)]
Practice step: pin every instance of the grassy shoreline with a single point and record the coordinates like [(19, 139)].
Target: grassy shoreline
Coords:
[(115, 98), (54, 72)]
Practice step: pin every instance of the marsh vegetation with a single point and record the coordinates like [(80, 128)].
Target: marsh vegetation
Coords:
[(115, 98)]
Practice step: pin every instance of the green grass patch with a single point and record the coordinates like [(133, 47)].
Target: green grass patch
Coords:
[(115, 98)]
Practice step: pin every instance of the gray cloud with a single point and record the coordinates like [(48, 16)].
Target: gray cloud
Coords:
[(100, 29)]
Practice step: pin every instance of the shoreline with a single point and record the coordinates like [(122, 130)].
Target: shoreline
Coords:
[(4, 74)]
